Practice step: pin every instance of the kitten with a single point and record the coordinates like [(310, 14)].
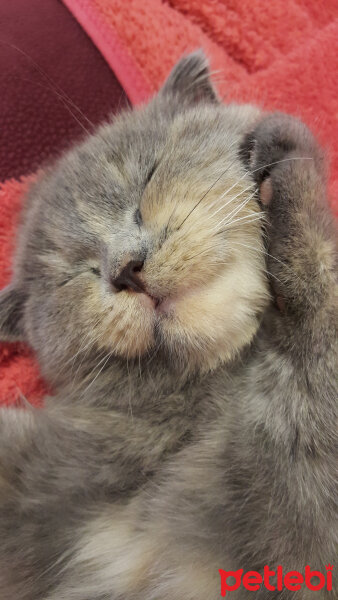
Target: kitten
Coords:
[(176, 277)]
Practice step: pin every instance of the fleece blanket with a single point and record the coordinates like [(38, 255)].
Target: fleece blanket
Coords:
[(281, 54)]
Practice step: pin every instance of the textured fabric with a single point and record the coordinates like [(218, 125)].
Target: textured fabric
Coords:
[(19, 375), (281, 54), (43, 47)]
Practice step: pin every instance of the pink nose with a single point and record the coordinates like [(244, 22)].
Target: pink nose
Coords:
[(128, 278)]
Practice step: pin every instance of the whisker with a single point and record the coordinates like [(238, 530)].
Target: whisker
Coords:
[(248, 172), (91, 342), (208, 190), (155, 352), (301, 280), (81, 349), (130, 407), (277, 162), (53, 86), (139, 365), (247, 218), (272, 275), (62, 99), (86, 350), (205, 251), (106, 357), (260, 250), (236, 210), (230, 199)]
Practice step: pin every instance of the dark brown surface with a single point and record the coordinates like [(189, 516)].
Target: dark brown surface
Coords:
[(35, 125)]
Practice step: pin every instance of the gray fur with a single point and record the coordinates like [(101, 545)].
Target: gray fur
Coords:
[(229, 467)]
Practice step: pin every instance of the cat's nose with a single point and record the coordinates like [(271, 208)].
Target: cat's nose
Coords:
[(129, 277)]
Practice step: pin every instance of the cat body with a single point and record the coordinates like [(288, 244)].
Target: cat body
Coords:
[(193, 426)]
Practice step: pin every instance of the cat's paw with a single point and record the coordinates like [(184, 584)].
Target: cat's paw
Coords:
[(289, 169), (276, 144)]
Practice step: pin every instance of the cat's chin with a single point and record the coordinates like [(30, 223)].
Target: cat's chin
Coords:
[(161, 307), (148, 302), (192, 332)]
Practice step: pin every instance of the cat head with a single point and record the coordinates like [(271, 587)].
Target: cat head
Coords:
[(147, 237)]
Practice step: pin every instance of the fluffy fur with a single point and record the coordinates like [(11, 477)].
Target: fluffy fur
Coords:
[(193, 426)]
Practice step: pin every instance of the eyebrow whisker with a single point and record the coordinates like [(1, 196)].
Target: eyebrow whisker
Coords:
[(236, 210)]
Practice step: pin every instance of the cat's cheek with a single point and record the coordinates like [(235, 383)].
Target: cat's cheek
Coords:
[(213, 323), (127, 326)]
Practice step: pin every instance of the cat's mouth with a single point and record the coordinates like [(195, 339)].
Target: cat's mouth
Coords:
[(150, 301), (160, 306)]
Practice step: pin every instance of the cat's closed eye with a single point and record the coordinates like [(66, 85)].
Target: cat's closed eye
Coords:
[(151, 172), (138, 217)]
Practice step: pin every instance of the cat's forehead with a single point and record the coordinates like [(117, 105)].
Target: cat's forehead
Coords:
[(192, 134), (120, 159), (146, 158)]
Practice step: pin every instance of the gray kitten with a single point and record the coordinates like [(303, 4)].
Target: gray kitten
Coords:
[(176, 276)]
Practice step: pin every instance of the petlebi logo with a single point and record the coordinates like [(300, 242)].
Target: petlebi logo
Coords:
[(276, 580)]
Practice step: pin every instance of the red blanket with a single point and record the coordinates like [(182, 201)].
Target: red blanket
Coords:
[(280, 54)]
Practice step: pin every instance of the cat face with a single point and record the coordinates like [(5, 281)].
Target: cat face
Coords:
[(146, 237)]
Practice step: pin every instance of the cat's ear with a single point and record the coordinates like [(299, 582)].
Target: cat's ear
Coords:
[(190, 80), (12, 302)]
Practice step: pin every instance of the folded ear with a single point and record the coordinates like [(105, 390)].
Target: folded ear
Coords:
[(190, 80), (11, 311)]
